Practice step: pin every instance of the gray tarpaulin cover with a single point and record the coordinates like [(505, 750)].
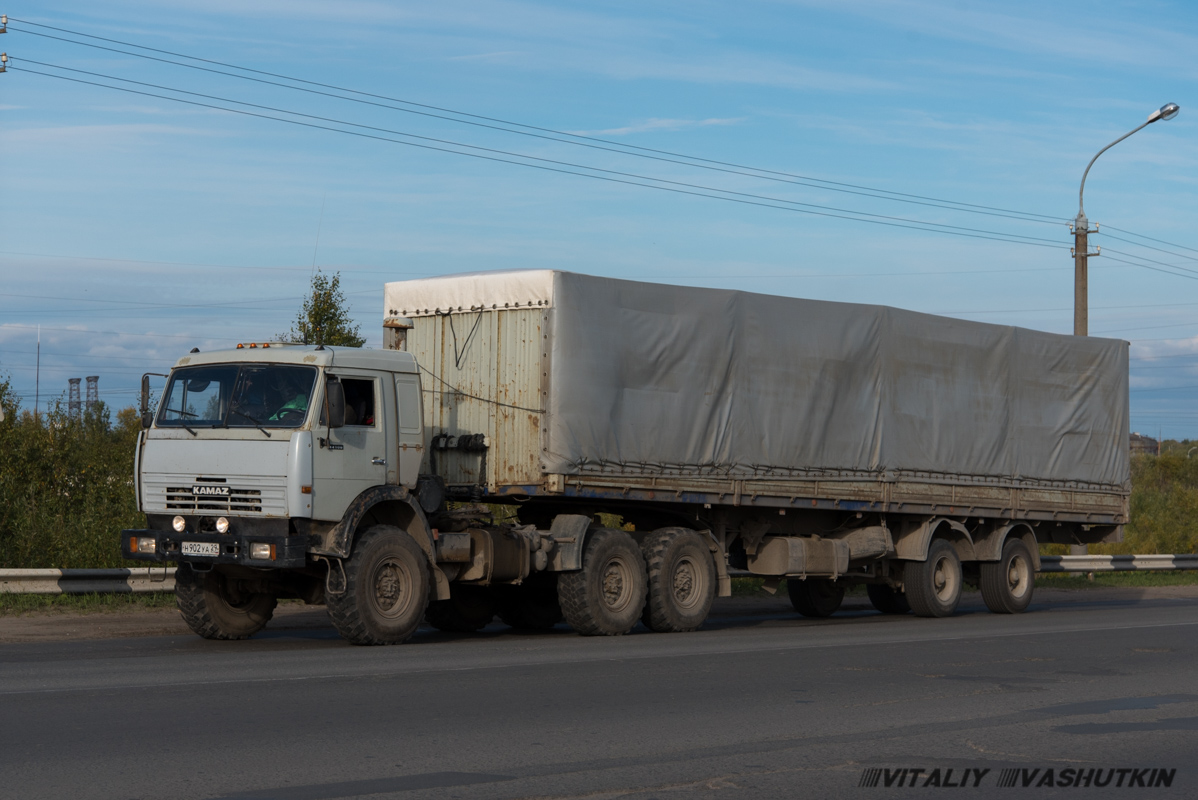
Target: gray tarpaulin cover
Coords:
[(646, 376)]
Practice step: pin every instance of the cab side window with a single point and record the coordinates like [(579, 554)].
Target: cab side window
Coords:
[(359, 401)]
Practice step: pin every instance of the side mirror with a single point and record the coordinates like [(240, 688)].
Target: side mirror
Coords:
[(146, 417), (334, 396)]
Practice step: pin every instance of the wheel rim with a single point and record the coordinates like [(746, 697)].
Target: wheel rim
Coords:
[(617, 584), (1019, 577), (391, 588), (234, 601), (945, 580), (688, 584)]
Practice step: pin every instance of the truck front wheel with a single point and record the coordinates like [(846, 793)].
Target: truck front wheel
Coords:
[(214, 608), (681, 580), (933, 587), (1007, 584), (605, 597), (386, 589)]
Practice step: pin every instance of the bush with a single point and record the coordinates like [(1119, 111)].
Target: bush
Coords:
[(66, 486), (1164, 507)]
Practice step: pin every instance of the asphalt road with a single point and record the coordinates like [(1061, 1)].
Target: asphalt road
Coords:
[(758, 704)]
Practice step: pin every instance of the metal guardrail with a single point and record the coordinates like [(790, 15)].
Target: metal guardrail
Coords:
[(87, 581), (1118, 563), (157, 579)]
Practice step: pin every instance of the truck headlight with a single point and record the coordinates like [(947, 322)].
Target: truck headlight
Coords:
[(179, 524), (142, 544), (261, 551), (222, 525)]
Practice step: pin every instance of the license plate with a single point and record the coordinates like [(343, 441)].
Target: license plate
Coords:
[(201, 549)]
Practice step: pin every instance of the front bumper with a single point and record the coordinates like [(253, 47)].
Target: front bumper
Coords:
[(232, 548)]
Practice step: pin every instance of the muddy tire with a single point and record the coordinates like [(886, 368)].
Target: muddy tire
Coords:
[(532, 606), (933, 587), (606, 597), (468, 609), (682, 580), (815, 597), (1007, 584), (213, 608), (386, 589), (887, 599)]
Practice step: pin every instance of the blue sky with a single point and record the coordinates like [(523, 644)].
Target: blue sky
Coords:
[(133, 228)]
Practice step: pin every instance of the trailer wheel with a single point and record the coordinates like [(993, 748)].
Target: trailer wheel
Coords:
[(533, 605), (606, 597), (681, 580), (213, 608), (468, 609), (887, 599), (1007, 584), (815, 597), (933, 587), (386, 589)]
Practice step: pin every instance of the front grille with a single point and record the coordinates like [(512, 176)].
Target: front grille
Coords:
[(181, 499), (266, 495)]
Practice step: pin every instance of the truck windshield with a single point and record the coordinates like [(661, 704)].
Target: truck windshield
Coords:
[(238, 396)]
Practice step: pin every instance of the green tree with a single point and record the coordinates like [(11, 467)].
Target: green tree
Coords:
[(324, 318)]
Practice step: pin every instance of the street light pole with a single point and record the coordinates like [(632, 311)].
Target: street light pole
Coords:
[(1081, 230)]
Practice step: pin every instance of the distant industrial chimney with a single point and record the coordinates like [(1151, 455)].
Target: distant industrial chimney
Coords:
[(73, 406), (93, 391)]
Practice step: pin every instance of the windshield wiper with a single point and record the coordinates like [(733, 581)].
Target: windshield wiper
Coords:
[(183, 424), (254, 420)]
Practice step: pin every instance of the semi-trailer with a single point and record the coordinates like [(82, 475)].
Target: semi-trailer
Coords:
[(543, 445)]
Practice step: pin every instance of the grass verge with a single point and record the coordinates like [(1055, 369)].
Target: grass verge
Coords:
[(1111, 580), (16, 604)]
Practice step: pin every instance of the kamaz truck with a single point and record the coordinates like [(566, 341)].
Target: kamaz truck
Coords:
[(545, 446)]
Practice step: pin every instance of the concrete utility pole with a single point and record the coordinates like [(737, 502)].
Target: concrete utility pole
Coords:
[(1081, 231)]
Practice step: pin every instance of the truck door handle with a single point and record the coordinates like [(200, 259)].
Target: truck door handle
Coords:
[(382, 462)]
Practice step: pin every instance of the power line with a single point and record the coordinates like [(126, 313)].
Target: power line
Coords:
[(1151, 239), (1170, 355), (1147, 328), (331, 267), (575, 139), (81, 356), (195, 337), (766, 198), (1162, 389), (698, 190), (1063, 308), (1154, 261), (1146, 266), (1146, 246)]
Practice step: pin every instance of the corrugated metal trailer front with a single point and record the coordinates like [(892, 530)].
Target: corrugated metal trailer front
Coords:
[(482, 374)]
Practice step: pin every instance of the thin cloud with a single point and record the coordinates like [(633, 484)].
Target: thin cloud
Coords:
[(658, 124), (502, 55)]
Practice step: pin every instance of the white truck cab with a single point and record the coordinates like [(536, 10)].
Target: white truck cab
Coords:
[(260, 461)]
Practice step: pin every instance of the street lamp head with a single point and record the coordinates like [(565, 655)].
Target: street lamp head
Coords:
[(1166, 112)]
